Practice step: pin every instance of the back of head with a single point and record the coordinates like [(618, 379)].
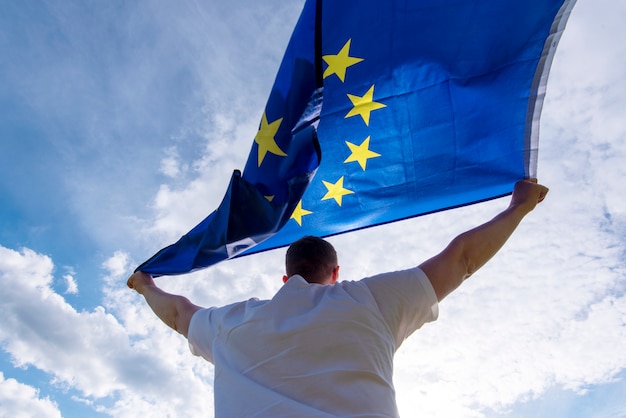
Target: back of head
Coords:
[(312, 258)]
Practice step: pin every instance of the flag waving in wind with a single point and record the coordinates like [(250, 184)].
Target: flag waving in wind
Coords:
[(382, 111)]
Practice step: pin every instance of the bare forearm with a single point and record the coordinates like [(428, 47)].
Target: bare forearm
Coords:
[(163, 304), (480, 244), (174, 310), (472, 249)]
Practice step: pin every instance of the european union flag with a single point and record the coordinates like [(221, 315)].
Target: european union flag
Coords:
[(382, 111)]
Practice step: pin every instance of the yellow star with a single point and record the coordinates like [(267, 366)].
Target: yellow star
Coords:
[(338, 64), (336, 191), (265, 138), (298, 213), (361, 153), (364, 105)]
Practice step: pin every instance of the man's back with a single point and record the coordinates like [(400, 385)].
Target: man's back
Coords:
[(312, 349)]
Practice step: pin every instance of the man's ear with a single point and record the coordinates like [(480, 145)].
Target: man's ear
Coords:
[(285, 278), (335, 275)]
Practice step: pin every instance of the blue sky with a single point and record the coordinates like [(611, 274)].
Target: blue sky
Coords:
[(120, 124)]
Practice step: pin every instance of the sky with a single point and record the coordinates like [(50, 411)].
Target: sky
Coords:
[(120, 125)]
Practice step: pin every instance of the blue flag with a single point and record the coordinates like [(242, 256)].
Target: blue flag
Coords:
[(382, 111)]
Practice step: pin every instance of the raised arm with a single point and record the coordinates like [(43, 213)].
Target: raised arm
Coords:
[(176, 311), (472, 249)]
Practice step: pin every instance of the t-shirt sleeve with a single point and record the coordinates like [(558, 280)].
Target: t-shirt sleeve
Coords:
[(406, 300), (200, 336)]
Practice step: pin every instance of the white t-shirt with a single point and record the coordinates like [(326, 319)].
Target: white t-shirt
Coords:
[(313, 350)]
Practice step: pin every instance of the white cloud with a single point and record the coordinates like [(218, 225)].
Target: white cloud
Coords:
[(116, 265), (72, 286), (92, 352), (171, 165), (18, 400), (179, 207)]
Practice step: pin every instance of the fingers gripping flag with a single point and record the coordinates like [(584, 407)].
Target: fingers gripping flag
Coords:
[(383, 111)]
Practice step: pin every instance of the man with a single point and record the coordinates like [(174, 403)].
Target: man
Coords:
[(319, 347)]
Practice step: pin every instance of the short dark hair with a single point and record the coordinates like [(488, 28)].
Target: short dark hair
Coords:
[(312, 258)]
